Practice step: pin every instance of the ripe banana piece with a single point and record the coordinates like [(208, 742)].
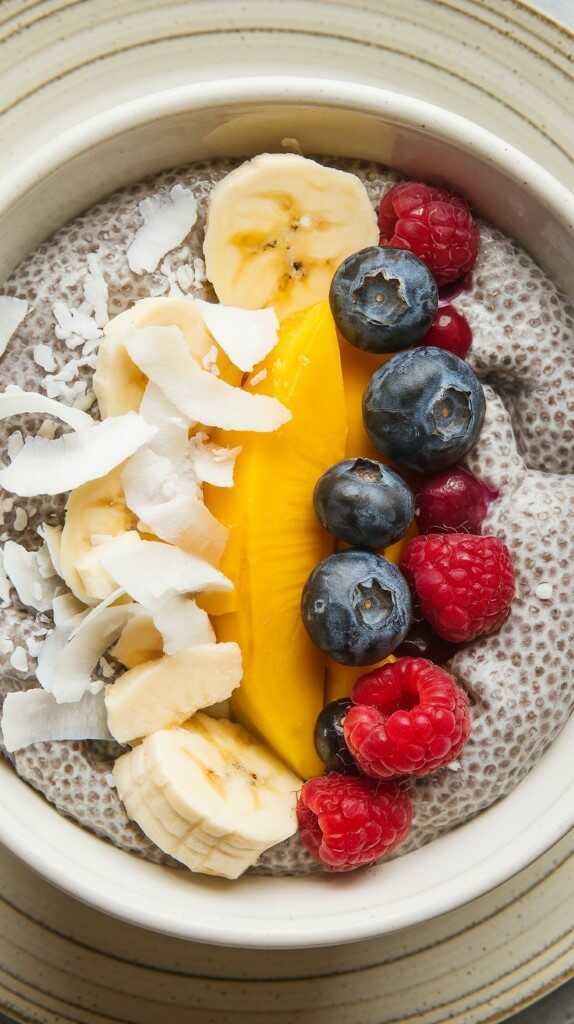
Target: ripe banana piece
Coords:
[(118, 383), (208, 794), (166, 691), (279, 226), (94, 510)]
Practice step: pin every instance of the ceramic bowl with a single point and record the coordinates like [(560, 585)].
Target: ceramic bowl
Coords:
[(242, 117)]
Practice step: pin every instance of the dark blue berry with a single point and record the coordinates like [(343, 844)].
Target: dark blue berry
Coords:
[(424, 409), (356, 607), (330, 737), (364, 503), (383, 299), (422, 642)]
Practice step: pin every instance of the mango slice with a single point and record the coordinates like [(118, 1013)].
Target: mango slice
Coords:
[(276, 540)]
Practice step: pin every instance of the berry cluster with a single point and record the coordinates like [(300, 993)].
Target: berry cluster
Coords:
[(423, 410)]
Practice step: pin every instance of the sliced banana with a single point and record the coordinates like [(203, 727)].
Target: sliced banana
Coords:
[(165, 692), (279, 226), (140, 641), (208, 794), (118, 383), (95, 511)]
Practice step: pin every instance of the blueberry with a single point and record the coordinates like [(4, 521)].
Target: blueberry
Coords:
[(424, 409), (330, 738), (356, 607), (364, 503), (383, 299), (422, 642)]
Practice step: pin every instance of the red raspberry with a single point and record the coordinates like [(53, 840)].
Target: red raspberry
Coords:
[(410, 718), (434, 224), (346, 821), (449, 330), (465, 583), (455, 501)]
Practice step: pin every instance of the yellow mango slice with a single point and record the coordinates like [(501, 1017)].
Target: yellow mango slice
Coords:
[(276, 540)]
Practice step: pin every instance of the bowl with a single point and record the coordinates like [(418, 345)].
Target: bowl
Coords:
[(242, 117)]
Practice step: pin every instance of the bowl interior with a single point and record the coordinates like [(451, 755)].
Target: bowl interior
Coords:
[(242, 118)]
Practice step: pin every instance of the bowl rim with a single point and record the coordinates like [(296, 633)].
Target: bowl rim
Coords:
[(558, 817)]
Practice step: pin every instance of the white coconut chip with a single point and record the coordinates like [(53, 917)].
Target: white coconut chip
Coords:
[(163, 356), (149, 570), (245, 335), (16, 403), (97, 610), (167, 219), (172, 427), (52, 467), (212, 463), (65, 607), (4, 584), (52, 537), (14, 444), (12, 312), (96, 290), (66, 661), (23, 570), (181, 623), (33, 716), (75, 325), (43, 356), (19, 659)]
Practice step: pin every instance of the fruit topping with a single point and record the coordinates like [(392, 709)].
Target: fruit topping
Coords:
[(409, 718), (450, 330), (465, 583), (364, 503), (356, 607), (453, 501), (275, 539), (422, 642), (434, 224), (424, 409), (383, 300), (277, 228), (346, 822), (330, 738)]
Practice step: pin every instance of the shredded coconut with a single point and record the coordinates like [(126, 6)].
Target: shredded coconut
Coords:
[(77, 323), (245, 335), (258, 378), (19, 659), (96, 290), (44, 357), (12, 312), (14, 444), (167, 219)]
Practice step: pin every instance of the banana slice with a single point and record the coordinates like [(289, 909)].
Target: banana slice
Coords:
[(209, 795), (94, 511), (165, 692), (279, 226), (118, 383)]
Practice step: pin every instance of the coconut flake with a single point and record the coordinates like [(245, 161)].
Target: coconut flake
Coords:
[(33, 716), (164, 357), (65, 607), (44, 357), (148, 570), (52, 467), (67, 659), (12, 312), (16, 403), (15, 443), (212, 463), (52, 537), (6, 645), (74, 323), (181, 623), (22, 569), (245, 335), (19, 659), (257, 378), (172, 427), (97, 610), (167, 219), (96, 290)]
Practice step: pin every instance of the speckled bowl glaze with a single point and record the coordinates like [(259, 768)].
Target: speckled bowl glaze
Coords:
[(239, 118)]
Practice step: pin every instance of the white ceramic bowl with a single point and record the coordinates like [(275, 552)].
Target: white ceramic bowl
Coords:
[(243, 117)]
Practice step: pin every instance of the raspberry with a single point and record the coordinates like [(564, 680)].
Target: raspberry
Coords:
[(455, 501), (346, 821), (410, 718), (450, 330), (464, 583), (434, 224)]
